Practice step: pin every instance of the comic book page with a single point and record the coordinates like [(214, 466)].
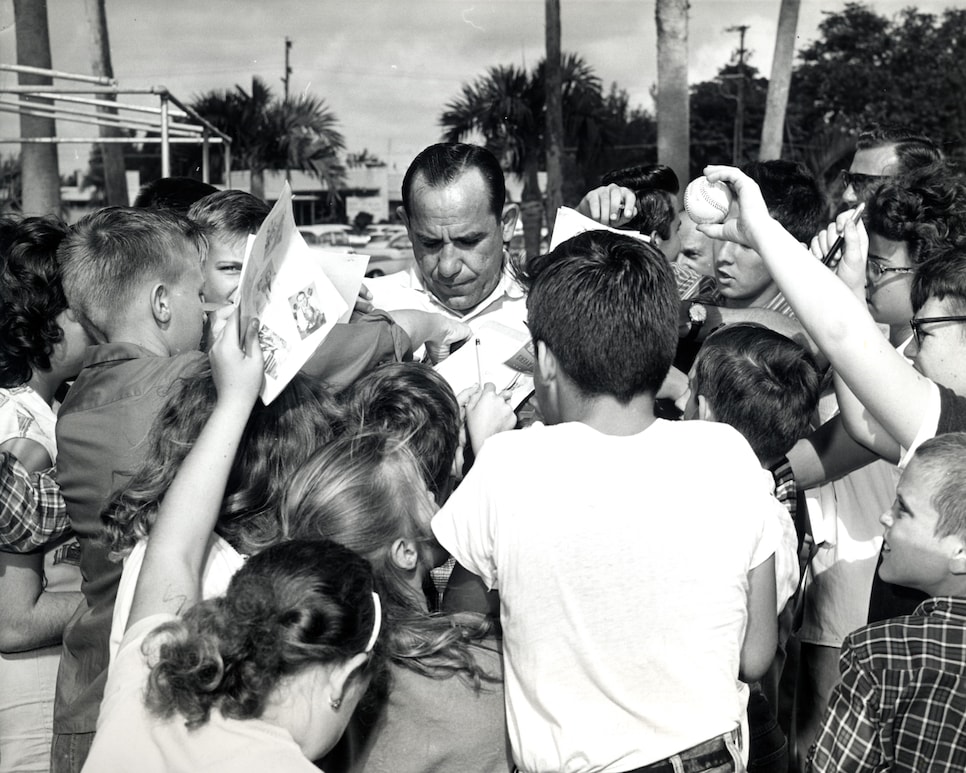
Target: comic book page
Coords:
[(286, 288)]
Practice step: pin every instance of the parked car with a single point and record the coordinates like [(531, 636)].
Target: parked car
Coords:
[(328, 236), (389, 255)]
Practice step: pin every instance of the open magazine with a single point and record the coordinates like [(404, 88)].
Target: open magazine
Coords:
[(297, 294)]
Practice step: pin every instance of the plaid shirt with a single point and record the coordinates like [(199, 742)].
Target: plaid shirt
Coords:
[(32, 511), (901, 704)]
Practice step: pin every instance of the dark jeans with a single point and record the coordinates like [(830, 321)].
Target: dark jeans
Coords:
[(68, 752)]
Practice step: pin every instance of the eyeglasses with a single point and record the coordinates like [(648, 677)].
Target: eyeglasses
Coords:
[(860, 182), (875, 270), (916, 324)]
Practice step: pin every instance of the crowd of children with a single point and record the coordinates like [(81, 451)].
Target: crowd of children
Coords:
[(373, 573)]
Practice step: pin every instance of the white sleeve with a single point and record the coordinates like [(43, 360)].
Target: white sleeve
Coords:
[(928, 428), (466, 525)]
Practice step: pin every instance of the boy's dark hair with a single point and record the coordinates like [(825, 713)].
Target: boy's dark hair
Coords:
[(655, 186), (924, 210), (108, 254), (175, 193), (943, 460), (411, 401), (942, 276), (31, 296), (761, 383), (607, 307), (229, 216), (792, 195), (913, 149), (441, 164)]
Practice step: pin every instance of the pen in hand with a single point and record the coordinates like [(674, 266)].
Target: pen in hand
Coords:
[(479, 369), (831, 258)]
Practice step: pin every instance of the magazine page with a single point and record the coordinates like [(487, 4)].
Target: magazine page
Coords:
[(286, 288), (494, 353), (570, 222)]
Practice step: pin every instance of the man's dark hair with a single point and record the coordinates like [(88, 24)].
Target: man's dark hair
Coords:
[(760, 382), (441, 164), (655, 186), (792, 196), (177, 193), (942, 276), (913, 149), (607, 307)]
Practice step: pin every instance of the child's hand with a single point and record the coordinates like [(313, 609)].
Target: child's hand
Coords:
[(610, 204), (364, 300), (217, 319), (237, 373), (487, 413), (747, 216)]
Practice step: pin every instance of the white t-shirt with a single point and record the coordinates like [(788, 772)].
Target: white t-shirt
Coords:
[(129, 738), (622, 565), (221, 563)]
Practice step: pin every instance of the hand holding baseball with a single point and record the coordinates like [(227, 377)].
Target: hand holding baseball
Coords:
[(707, 202)]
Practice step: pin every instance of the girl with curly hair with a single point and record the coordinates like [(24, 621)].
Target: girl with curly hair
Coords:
[(444, 709), (41, 346), (265, 678)]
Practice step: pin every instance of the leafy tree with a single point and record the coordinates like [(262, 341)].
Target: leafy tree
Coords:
[(507, 105), (269, 133)]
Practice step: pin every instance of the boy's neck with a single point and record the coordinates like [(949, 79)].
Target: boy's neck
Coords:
[(608, 415), (145, 337)]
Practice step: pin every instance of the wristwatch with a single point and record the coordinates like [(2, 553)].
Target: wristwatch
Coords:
[(697, 316)]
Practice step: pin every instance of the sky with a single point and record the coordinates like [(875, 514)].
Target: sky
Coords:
[(386, 68)]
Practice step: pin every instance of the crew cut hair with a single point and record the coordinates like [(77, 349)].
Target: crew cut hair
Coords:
[(108, 254), (606, 306), (943, 461), (229, 216)]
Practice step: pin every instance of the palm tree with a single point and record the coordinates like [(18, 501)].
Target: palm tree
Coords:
[(268, 133), (507, 107), (673, 106)]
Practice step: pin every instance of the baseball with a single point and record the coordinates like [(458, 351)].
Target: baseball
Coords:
[(707, 202)]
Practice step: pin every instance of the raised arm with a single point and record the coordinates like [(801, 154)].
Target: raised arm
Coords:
[(833, 316), (611, 205), (170, 578)]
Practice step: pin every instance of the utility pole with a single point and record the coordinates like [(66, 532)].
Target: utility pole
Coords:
[(739, 133), (288, 72)]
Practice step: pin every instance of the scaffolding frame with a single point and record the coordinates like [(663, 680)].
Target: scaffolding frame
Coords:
[(173, 122)]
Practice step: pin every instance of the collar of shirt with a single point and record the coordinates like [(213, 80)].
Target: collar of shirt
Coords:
[(98, 354), (943, 606), (507, 288)]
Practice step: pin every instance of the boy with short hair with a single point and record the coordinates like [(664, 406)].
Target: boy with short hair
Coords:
[(630, 605), (901, 704), (134, 279)]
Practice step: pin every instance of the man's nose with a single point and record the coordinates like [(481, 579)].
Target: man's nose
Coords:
[(849, 196), (449, 262)]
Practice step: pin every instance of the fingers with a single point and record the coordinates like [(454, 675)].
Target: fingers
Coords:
[(455, 331)]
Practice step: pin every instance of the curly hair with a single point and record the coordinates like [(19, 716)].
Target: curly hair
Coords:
[(277, 439), (31, 296), (926, 210), (294, 605), (365, 491)]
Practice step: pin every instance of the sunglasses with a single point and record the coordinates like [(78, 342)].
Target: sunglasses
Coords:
[(875, 270), (916, 324), (860, 182)]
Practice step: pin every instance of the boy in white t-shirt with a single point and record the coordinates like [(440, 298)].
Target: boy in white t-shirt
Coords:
[(634, 556)]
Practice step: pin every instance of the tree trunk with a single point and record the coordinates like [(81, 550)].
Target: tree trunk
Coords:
[(531, 206), (673, 107), (38, 162), (553, 88), (778, 86), (257, 185), (115, 181)]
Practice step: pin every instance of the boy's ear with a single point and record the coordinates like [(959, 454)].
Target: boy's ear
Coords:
[(705, 412), (160, 304), (546, 363), (957, 562), (404, 554)]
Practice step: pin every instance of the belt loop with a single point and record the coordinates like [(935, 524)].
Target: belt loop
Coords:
[(676, 763)]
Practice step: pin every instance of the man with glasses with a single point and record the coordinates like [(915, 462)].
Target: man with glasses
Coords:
[(883, 151)]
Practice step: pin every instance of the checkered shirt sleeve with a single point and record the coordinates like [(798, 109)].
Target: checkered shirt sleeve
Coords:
[(901, 704), (32, 510)]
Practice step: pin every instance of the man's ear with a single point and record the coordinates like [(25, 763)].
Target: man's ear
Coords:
[(705, 412), (160, 305), (401, 214), (509, 221), (404, 554)]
